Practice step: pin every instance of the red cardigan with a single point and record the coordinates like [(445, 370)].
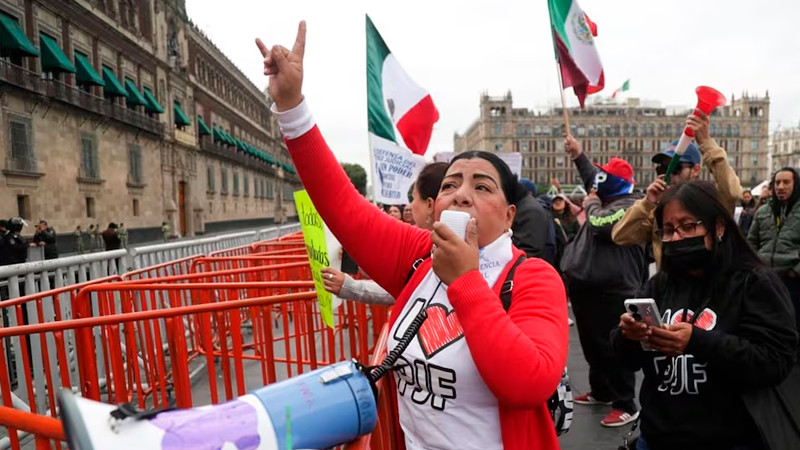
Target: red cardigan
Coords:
[(520, 354)]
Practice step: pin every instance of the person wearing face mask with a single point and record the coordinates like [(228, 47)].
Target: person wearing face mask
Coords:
[(475, 375), (727, 351), (600, 275), (638, 225), (775, 231)]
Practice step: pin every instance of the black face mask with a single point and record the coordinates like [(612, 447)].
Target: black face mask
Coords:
[(686, 254)]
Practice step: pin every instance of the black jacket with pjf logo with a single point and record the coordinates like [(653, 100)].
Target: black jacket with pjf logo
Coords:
[(743, 342)]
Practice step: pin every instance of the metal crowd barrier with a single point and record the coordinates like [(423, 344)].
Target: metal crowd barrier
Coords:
[(161, 336)]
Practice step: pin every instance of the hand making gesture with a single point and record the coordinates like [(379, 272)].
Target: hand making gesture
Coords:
[(285, 70)]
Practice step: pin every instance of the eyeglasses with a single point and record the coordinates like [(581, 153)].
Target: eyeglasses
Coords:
[(685, 230), (661, 169)]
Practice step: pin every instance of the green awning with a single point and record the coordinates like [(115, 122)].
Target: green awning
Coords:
[(13, 39), (113, 87), (229, 138), (287, 168), (53, 59), (202, 127), (134, 97), (268, 158), (86, 73), (240, 145), (218, 136), (180, 116), (151, 102)]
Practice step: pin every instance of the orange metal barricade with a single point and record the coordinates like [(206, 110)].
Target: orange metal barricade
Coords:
[(170, 268), (229, 324), (386, 433)]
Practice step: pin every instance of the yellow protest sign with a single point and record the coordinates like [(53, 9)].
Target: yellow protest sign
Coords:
[(314, 236)]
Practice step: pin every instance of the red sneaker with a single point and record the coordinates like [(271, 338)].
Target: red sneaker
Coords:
[(617, 418), (587, 399)]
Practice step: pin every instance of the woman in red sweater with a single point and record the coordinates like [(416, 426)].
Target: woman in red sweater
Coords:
[(474, 376)]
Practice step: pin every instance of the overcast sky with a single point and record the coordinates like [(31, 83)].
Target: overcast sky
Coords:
[(459, 49)]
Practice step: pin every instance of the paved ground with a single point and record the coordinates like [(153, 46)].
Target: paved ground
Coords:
[(586, 432)]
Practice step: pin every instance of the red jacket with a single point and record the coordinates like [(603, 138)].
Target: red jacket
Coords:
[(519, 354)]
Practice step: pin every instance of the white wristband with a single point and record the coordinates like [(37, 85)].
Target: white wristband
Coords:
[(294, 122)]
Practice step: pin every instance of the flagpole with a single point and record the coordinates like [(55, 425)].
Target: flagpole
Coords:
[(563, 100)]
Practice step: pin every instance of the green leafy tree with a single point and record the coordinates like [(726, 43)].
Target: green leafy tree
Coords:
[(358, 176)]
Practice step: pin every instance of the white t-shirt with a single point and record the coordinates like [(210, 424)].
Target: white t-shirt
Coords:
[(441, 395)]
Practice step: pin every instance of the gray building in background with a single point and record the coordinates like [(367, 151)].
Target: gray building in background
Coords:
[(631, 130)]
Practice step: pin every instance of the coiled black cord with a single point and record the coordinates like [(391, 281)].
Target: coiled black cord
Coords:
[(375, 373)]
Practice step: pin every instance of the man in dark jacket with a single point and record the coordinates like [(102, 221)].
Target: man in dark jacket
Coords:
[(533, 230), (46, 237), (600, 276), (111, 238), (775, 232), (17, 244)]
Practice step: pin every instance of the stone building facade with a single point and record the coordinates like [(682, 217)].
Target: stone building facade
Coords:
[(785, 148), (123, 111), (631, 131)]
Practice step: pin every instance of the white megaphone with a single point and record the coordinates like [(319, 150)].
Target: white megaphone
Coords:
[(319, 409)]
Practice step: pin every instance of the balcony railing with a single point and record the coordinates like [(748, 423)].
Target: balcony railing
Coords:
[(233, 155), (57, 90)]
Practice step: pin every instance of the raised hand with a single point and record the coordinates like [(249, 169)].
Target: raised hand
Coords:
[(698, 122), (285, 70), (656, 189), (572, 146)]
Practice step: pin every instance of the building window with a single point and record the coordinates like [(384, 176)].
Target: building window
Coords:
[(270, 188), (755, 160), (498, 146), (21, 157), (90, 207), (235, 182), (210, 177), (498, 129), (246, 182), (136, 207), (736, 130), (756, 129), (135, 164), (24, 206), (754, 145), (224, 176), (90, 167)]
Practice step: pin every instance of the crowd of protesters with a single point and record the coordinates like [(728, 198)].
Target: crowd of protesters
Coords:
[(720, 366)]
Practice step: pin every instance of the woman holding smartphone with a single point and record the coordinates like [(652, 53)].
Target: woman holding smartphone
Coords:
[(728, 336), (488, 390)]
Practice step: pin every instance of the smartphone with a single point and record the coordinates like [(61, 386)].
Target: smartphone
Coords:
[(348, 265), (456, 221), (644, 310)]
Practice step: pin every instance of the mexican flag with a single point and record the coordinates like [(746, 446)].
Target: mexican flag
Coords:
[(401, 115), (573, 38), (625, 86)]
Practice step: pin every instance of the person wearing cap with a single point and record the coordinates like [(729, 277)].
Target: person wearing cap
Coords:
[(532, 229), (600, 275), (638, 225)]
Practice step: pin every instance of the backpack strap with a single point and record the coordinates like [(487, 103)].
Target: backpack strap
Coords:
[(508, 285), (414, 268)]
